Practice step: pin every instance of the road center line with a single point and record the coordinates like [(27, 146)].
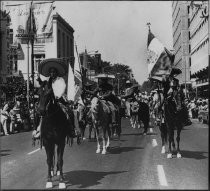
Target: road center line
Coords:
[(154, 142), (33, 151), (161, 176)]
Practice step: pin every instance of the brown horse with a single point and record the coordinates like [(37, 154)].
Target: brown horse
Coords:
[(54, 129), (101, 118)]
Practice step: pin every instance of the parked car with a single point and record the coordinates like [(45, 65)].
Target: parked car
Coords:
[(203, 116)]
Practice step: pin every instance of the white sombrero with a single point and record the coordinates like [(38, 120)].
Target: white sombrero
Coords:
[(59, 64)]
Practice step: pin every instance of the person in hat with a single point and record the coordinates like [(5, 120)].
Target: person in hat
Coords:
[(104, 90), (129, 96), (57, 85)]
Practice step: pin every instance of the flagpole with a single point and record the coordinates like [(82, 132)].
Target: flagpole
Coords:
[(80, 66)]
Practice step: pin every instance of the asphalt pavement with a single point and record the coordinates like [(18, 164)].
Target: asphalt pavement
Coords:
[(136, 164)]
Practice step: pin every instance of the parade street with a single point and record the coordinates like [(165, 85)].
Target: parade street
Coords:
[(137, 164)]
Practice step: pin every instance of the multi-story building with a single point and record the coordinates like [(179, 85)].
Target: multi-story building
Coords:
[(54, 36), (180, 23), (5, 68), (91, 65), (199, 42)]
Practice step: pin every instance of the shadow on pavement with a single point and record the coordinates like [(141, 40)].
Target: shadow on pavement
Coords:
[(116, 139), (193, 154), (86, 178), (132, 134), (3, 152), (119, 150)]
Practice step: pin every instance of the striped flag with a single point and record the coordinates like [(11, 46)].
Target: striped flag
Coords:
[(77, 78), (160, 60)]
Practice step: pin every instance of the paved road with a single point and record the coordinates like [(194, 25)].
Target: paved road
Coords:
[(137, 164)]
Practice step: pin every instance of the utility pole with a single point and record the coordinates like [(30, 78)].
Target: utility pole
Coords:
[(28, 78)]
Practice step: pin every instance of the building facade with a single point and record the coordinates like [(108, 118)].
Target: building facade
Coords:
[(5, 68), (180, 26), (54, 36), (199, 42)]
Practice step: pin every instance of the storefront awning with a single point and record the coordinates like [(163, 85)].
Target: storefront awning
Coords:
[(202, 84)]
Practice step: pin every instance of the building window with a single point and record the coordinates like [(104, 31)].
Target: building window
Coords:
[(190, 61), (59, 43), (67, 50), (15, 65), (72, 47), (63, 44)]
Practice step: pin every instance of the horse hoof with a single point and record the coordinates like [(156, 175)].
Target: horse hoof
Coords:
[(179, 155), (103, 152), (52, 173), (169, 156), (62, 185), (49, 185), (58, 173), (98, 151), (163, 151)]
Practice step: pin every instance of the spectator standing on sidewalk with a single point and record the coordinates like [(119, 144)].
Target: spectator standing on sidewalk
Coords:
[(13, 120), (5, 117), (192, 108)]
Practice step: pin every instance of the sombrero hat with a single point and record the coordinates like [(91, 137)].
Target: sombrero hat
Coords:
[(56, 63)]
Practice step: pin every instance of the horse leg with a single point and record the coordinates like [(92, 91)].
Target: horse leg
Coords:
[(146, 124), (138, 121), (104, 141), (98, 143), (178, 140), (60, 151), (90, 131), (162, 131), (49, 148), (119, 129), (169, 155), (108, 139)]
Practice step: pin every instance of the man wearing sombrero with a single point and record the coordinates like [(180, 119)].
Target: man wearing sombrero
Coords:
[(55, 70)]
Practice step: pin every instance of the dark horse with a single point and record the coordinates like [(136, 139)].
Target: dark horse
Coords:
[(174, 115), (54, 129)]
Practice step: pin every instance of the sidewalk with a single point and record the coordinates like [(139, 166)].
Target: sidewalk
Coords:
[(196, 123)]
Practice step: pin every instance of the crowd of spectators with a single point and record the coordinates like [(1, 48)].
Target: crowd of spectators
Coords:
[(196, 105), (15, 111)]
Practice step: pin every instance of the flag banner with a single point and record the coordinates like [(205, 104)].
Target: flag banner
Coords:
[(160, 60), (19, 13), (70, 87), (77, 78)]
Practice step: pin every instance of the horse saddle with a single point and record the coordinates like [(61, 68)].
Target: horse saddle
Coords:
[(112, 106), (105, 106)]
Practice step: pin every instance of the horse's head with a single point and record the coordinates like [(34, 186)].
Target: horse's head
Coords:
[(46, 96), (95, 106)]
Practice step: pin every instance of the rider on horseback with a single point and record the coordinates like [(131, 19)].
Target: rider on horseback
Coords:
[(105, 92), (57, 87)]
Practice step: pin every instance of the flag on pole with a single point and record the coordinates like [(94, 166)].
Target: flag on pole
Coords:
[(77, 77), (160, 60), (70, 88), (31, 23)]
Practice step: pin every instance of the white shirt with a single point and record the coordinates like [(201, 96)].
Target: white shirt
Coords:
[(59, 87)]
